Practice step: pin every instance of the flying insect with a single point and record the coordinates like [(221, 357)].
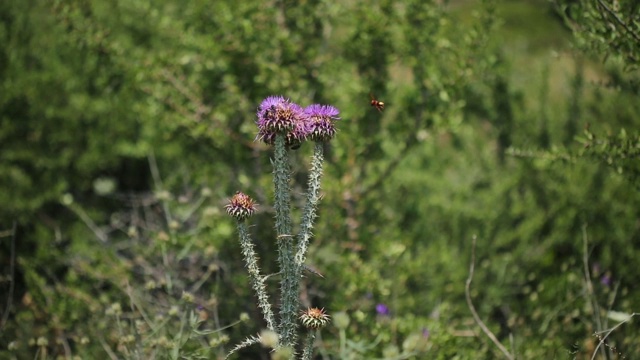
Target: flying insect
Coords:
[(376, 103)]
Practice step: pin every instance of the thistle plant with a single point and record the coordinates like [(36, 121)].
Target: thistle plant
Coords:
[(285, 125)]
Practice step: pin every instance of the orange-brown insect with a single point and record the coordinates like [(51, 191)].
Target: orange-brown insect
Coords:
[(376, 103)]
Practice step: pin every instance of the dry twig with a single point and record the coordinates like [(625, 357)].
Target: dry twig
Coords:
[(467, 292)]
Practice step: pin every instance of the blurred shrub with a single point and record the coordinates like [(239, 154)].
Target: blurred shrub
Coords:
[(124, 126)]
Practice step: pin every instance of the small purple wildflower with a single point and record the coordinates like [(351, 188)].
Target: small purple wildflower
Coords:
[(606, 279), (425, 333), (322, 120), (277, 115), (382, 309)]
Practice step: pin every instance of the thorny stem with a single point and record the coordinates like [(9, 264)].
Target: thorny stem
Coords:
[(289, 288), (309, 212), (257, 281), (307, 353)]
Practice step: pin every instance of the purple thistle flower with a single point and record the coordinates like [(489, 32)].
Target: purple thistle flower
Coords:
[(382, 309), (277, 115), (293, 138), (322, 120), (425, 333)]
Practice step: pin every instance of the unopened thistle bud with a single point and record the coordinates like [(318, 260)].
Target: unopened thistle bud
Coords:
[(341, 320), (269, 338), (321, 119), (241, 206), (314, 318), (187, 297), (42, 341)]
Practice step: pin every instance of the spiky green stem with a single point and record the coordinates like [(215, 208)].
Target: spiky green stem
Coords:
[(257, 280), (307, 353), (309, 211), (287, 328)]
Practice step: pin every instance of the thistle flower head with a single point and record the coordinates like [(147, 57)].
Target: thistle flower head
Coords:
[(293, 138), (314, 318), (321, 120), (241, 206), (278, 115)]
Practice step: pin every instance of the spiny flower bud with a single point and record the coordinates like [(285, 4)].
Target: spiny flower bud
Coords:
[(269, 338), (341, 320), (42, 341), (283, 353), (314, 318), (241, 206), (321, 119), (187, 297)]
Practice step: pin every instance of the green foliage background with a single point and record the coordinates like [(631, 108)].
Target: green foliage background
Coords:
[(126, 125)]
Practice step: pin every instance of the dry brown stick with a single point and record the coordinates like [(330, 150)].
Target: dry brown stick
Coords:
[(467, 292)]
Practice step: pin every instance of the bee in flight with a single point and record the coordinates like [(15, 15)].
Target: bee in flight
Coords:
[(376, 103)]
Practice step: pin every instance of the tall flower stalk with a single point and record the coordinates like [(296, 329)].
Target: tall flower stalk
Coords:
[(241, 207), (286, 121), (322, 129), (285, 125), (309, 211), (289, 287)]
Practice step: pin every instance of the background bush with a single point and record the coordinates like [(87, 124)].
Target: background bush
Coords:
[(125, 126)]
